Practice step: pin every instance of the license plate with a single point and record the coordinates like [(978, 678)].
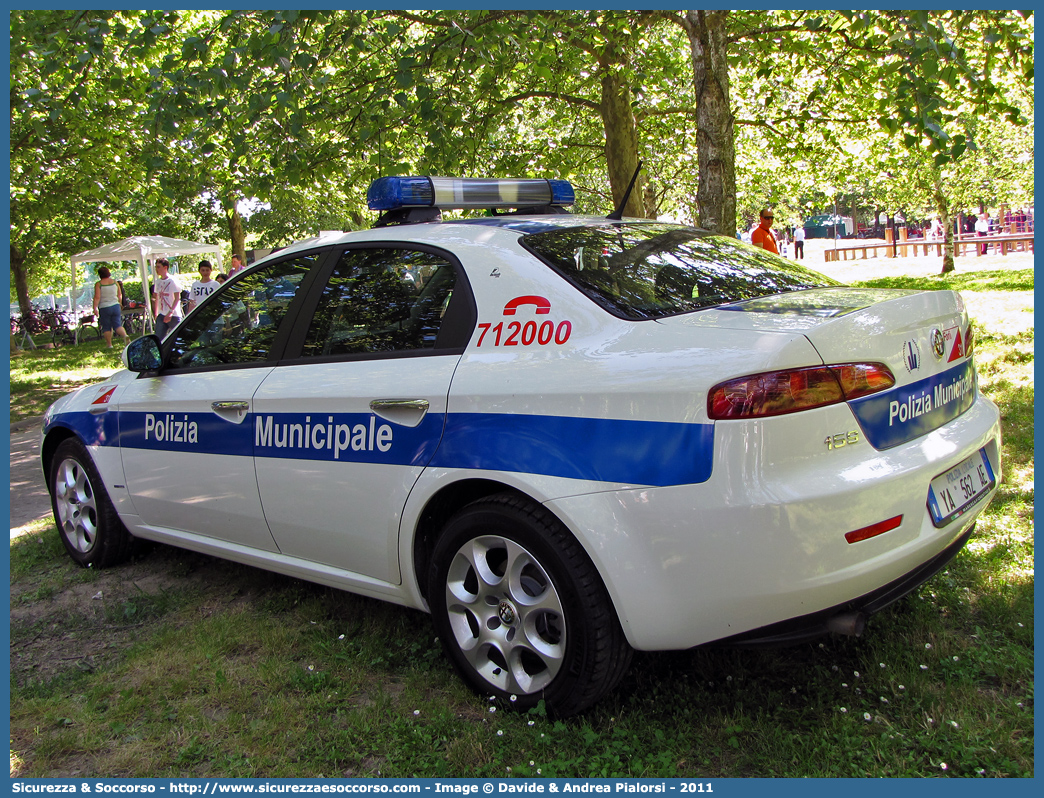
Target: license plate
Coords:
[(952, 494)]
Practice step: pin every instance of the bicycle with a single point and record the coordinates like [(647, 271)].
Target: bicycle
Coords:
[(27, 325), (87, 329), (50, 318), (59, 323)]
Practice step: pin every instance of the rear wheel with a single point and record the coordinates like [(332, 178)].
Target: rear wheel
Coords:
[(62, 335), (91, 530), (521, 609)]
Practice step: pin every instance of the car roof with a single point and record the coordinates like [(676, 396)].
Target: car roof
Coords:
[(475, 228)]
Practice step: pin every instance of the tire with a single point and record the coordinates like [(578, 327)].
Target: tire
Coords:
[(521, 610), (62, 336), (90, 528)]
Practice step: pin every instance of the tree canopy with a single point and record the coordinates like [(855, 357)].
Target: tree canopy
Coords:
[(268, 125)]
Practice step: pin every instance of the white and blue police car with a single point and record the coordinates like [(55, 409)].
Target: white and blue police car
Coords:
[(565, 437)]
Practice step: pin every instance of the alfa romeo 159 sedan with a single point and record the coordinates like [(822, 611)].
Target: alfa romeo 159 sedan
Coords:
[(565, 437)]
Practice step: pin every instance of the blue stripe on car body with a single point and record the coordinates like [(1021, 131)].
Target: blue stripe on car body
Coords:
[(601, 450)]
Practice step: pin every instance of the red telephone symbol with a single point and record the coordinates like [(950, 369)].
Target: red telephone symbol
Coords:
[(543, 306)]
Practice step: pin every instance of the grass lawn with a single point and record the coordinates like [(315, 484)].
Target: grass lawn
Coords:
[(180, 665), (40, 376)]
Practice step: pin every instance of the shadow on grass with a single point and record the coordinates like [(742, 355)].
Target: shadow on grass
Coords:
[(1016, 403)]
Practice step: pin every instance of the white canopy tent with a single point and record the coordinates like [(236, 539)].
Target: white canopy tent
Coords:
[(144, 250)]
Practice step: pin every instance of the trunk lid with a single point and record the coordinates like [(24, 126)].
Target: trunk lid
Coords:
[(922, 336)]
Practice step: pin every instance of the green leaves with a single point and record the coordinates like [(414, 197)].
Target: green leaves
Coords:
[(271, 104)]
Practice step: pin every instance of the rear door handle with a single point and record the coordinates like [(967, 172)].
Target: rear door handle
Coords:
[(407, 412), (409, 404)]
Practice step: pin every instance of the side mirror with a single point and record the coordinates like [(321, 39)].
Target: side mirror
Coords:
[(143, 354)]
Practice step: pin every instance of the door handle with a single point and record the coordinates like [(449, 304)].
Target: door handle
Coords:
[(219, 406), (234, 410), (407, 412), (407, 404)]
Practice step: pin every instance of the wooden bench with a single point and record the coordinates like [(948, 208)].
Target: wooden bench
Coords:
[(854, 252)]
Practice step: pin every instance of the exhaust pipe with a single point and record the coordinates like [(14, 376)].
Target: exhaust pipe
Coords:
[(851, 624)]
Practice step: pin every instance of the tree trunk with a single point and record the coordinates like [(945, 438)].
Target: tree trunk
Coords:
[(21, 280), (715, 123), (621, 143), (235, 231), (943, 206)]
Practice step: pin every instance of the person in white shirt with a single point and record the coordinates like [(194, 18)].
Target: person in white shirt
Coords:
[(982, 229), (799, 241), (204, 286), (166, 299)]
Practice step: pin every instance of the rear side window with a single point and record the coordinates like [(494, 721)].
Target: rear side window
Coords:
[(381, 300), (648, 271)]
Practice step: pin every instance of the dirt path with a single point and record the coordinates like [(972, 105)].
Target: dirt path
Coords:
[(29, 499)]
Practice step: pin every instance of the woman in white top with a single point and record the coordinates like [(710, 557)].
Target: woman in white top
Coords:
[(108, 299)]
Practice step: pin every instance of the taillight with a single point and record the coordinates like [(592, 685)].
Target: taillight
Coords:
[(776, 393), (862, 379)]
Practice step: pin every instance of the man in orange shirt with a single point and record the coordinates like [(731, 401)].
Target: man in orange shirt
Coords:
[(762, 235)]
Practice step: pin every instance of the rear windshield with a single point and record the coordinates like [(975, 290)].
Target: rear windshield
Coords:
[(648, 271)]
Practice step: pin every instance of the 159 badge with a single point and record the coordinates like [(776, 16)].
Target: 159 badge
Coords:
[(842, 439)]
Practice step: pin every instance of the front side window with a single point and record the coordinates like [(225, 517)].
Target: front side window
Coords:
[(381, 300), (648, 271), (238, 324)]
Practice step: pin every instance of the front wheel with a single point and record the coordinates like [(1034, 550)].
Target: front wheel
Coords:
[(90, 332), (91, 529), (521, 610)]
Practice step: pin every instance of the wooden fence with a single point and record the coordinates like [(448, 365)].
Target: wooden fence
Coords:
[(1008, 242)]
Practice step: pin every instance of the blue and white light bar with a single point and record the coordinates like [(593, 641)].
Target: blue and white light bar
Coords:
[(392, 193)]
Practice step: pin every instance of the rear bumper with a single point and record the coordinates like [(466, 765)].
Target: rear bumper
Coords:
[(763, 542), (818, 624)]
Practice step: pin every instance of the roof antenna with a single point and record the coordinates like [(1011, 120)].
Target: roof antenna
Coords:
[(617, 215)]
